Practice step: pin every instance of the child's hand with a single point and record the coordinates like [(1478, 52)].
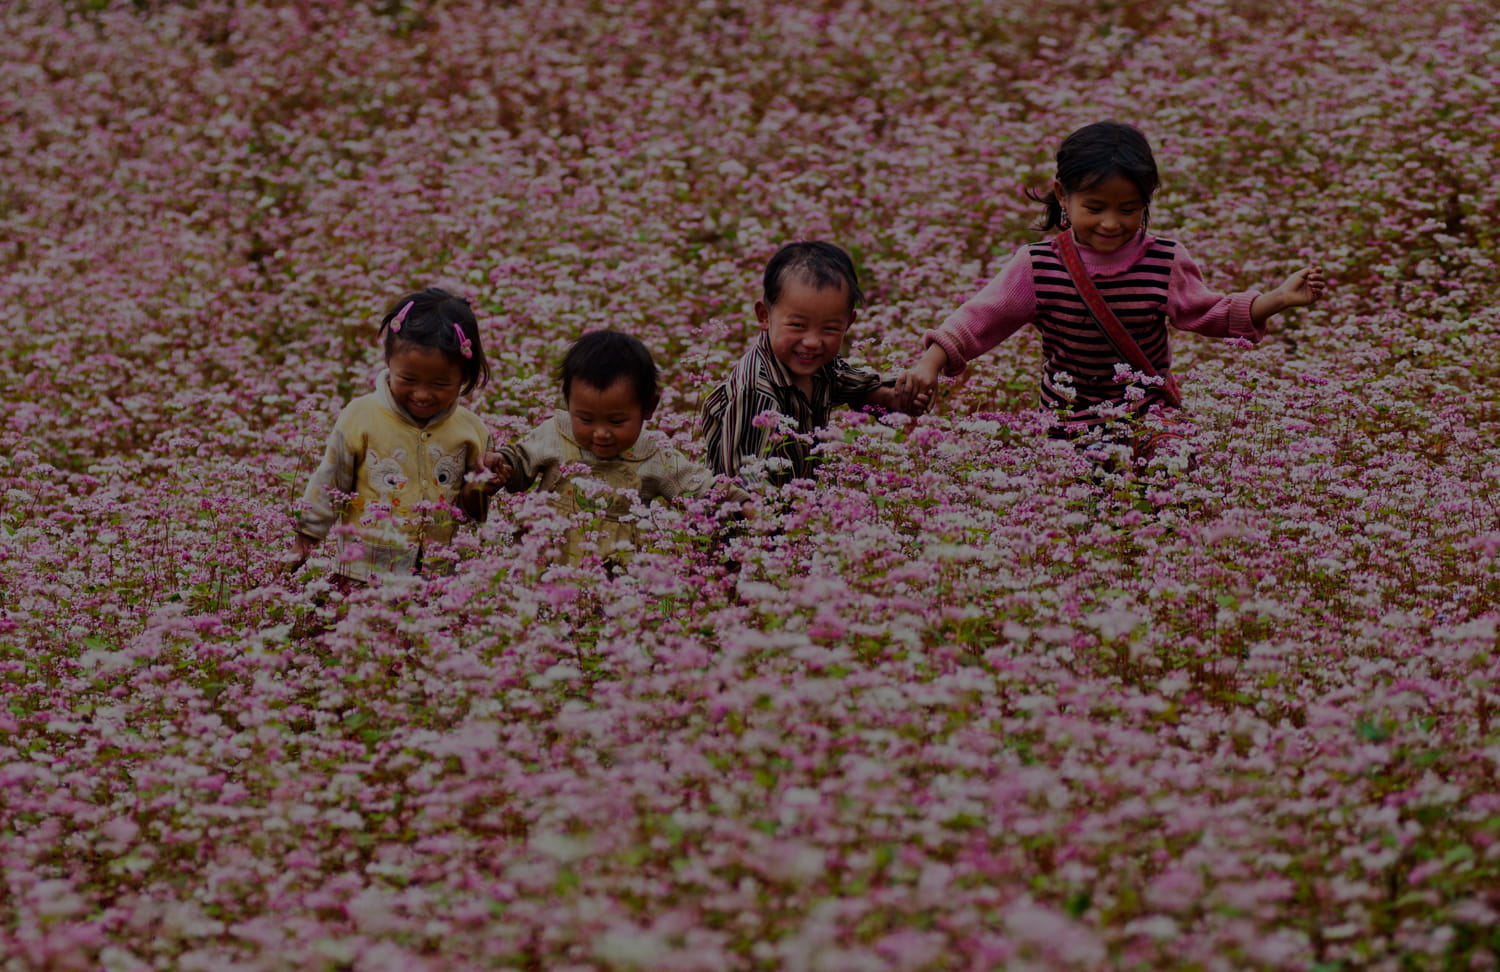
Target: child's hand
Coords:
[(887, 398), (302, 548), (920, 383), (1303, 287), (914, 400), (500, 471)]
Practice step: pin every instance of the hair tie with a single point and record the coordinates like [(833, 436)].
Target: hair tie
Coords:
[(400, 317), (465, 346)]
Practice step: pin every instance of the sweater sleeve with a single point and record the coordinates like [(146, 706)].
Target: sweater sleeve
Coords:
[(673, 475), (527, 458), (1192, 306), (475, 502), (331, 483), (1004, 306), (851, 385)]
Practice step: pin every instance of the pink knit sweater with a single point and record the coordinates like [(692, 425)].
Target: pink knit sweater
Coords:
[(1149, 283)]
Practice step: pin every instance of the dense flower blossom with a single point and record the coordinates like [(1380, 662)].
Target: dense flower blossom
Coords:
[(966, 702)]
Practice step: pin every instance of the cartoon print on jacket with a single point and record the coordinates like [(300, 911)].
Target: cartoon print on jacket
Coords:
[(386, 475), (448, 469)]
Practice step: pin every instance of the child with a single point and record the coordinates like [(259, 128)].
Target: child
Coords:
[(1101, 199), (609, 388), (810, 295), (398, 458)]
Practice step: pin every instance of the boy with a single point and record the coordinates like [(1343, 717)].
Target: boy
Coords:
[(810, 294), (609, 387)]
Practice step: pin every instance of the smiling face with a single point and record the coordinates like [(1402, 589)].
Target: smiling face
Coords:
[(424, 381), (806, 325), (607, 421), (1105, 216)]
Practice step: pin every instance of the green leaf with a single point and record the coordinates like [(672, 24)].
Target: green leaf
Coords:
[(1463, 852)]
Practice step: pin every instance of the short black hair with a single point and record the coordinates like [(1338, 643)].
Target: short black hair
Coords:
[(601, 358), (433, 318), (820, 263), (1095, 153)]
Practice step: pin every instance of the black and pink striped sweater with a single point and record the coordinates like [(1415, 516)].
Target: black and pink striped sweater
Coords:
[(1149, 283)]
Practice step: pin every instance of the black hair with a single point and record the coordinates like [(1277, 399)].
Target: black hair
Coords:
[(819, 263), (601, 358), (1095, 153), (427, 318)]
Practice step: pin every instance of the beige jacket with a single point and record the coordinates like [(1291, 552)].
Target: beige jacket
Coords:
[(394, 480), (649, 470)]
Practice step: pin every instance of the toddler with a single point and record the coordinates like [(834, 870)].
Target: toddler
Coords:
[(396, 464), (609, 388), (795, 369)]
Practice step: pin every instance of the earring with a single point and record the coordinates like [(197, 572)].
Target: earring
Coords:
[(1064, 221)]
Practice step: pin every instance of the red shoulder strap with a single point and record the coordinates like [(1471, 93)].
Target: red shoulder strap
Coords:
[(1108, 322)]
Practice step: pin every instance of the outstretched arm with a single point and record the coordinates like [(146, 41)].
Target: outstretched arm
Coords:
[(1300, 289), (900, 396), (1001, 308)]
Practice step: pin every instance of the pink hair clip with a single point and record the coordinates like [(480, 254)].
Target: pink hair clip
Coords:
[(465, 346), (400, 317)]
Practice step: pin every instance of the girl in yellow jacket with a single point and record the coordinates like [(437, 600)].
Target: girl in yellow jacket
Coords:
[(395, 470)]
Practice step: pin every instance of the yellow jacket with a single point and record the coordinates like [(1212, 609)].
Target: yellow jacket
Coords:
[(393, 480)]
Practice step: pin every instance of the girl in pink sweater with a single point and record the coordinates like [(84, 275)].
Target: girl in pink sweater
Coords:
[(1101, 196)]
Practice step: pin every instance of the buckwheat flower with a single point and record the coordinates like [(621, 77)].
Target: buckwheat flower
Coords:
[(1158, 927), (632, 947)]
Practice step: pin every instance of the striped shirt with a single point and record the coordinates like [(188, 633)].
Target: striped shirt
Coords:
[(759, 384), (1149, 283)]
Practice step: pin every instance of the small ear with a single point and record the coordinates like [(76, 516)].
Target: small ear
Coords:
[(1059, 192), (762, 314), (650, 408)]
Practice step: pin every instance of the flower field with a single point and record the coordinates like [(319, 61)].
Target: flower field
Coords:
[(958, 705)]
